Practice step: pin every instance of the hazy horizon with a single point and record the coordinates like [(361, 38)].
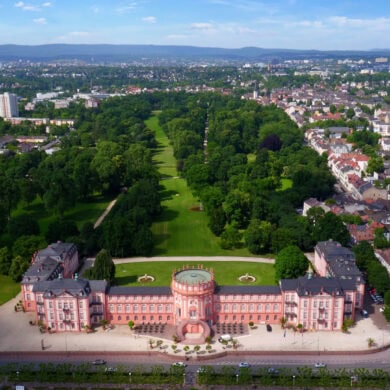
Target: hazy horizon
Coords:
[(284, 24)]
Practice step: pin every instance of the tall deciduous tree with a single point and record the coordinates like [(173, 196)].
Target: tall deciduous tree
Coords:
[(290, 263), (258, 236), (330, 226), (5, 260), (104, 267)]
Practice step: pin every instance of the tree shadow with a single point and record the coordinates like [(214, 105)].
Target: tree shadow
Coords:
[(167, 215), (124, 280), (167, 194)]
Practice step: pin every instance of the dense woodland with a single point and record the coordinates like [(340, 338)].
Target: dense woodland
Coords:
[(108, 155), (238, 177)]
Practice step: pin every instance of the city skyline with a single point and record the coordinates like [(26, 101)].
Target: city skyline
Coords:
[(290, 24)]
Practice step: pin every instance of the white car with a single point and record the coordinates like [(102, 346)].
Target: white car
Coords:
[(244, 365), (179, 364), (319, 365), (381, 309)]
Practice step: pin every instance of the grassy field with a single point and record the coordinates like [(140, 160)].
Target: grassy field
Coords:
[(180, 230), (286, 184), (81, 213), (127, 274), (8, 289)]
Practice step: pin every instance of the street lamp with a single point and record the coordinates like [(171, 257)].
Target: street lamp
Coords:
[(293, 380), (130, 376), (237, 378)]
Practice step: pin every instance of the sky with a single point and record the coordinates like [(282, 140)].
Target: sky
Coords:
[(290, 24)]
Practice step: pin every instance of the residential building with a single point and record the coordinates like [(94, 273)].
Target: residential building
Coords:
[(8, 105)]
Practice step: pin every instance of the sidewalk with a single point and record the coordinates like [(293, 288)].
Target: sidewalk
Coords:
[(16, 334)]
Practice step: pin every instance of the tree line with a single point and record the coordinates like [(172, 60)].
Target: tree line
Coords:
[(237, 172), (109, 155)]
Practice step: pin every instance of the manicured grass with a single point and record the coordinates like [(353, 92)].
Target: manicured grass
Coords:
[(82, 212), (286, 184), (128, 273), (8, 289), (180, 230)]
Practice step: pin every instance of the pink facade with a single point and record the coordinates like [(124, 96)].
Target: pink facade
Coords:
[(194, 303)]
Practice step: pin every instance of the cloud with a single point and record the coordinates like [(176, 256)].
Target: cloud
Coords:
[(126, 8), (26, 7), (149, 19), (202, 26), (79, 33), (47, 4), (39, 21), (95, 9), (176, 36)]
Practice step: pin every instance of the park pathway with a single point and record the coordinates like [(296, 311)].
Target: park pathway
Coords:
[(105, 213), (194, 258)]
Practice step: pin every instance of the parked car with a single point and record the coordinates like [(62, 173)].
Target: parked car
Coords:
[(269, 328), (244, 365), (319, 365), (201, 370), (364, 313), (273, 371), (381, 309), (111, 369), (98, 362), (179, 364)]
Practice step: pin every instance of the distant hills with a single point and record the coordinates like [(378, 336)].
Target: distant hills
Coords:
[(125, 53)]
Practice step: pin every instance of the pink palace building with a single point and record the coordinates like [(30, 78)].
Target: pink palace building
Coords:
[(193, 302)]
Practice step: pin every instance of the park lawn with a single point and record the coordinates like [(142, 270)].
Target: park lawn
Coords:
[(181, 230), (8, 289), (82, 212), (286, 184), (126, 274)]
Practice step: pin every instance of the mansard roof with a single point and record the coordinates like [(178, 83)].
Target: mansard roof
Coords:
[(333, 249), (139, 290), (57, 250), (74, 287), (306, 285), (42, 270), (248, 290)]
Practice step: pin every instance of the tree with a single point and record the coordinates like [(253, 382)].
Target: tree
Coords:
[(375, 164), (5, 260), (364, 254), (290, 263), (258, 236), (380, 241), (131, 324), (282, 237), (104, 267), (22, 225), (26, 246), (231, 237), (18, 267), (61, 229), (217, 220), (330, 226)]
